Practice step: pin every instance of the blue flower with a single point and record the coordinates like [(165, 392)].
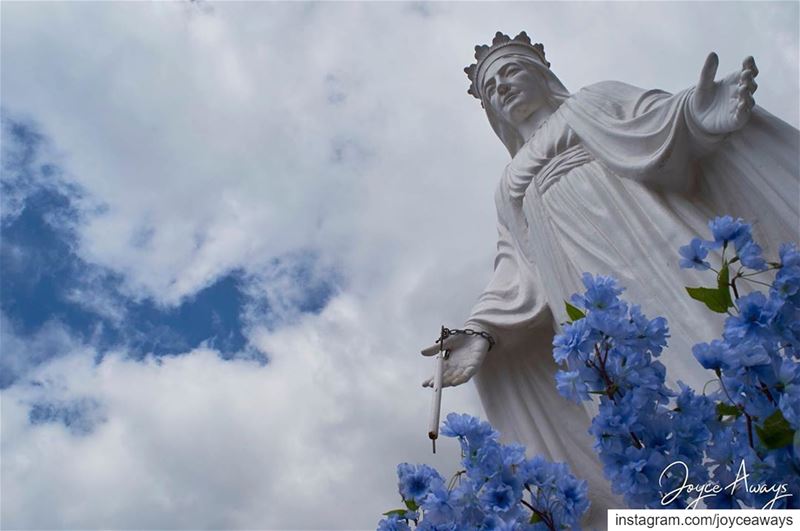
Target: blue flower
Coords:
[(650, 335), (489, 495), (753, 319), (657, 432), (613, 322), (750, 256), (789, 373), (465, 497), (790, 405), (790, 256), (726, 229), (749, 354), (538, 472), (575, 500), (574, 340), (571, 386), (632, 479), (498, 496), (787, 282), (393, 523), (693, 255), (468, 428), (613, 418), (428, 525), (512, 454), (438, 506), (713, 356), (415, 481), (602, 293), (484, 463), (722, 449)]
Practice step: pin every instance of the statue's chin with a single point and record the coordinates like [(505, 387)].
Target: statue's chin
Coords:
[(518, 111)]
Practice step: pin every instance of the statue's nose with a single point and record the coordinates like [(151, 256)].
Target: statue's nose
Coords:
[(502, 89)]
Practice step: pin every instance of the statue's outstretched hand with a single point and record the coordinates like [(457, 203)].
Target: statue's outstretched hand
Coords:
[(467, 352), (724, 106)]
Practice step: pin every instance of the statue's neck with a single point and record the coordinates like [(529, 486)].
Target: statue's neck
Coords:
[(532, 123)]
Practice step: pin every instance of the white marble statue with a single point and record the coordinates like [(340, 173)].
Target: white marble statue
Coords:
[(610, 180)]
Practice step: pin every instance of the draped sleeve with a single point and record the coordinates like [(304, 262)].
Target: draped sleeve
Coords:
[(513, 306), (653, 137), (513, 300), (649, 136)]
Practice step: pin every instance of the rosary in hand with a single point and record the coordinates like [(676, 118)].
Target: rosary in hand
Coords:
[(436, 405)]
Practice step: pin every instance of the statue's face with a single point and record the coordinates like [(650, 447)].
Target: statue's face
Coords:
[(513, 90)]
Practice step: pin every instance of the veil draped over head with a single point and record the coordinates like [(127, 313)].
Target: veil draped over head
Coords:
[(556, 95)]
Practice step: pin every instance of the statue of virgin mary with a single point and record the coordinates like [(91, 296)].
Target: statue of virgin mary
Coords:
[(610, 180)]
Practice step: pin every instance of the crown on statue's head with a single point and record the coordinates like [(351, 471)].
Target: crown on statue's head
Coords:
[(502, 44)]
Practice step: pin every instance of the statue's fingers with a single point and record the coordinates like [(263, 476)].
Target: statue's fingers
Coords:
[(428, 382), (430, 351), (450, 377), (435, 348), (746, 90), (447, 377), (458, 376), (709, 72), (743, 111), (747, 85), (750, 64), (748, 102), (454, 380)]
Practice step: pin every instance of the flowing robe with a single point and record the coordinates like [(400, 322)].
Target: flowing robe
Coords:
[(613, 183)]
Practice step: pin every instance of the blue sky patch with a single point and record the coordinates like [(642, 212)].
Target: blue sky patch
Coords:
[(294, 284), (44, 280), (80, 416)]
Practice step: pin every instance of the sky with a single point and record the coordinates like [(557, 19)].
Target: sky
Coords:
[(229, 228)]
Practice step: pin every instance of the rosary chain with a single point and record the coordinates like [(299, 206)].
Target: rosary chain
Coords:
[(447, 332)]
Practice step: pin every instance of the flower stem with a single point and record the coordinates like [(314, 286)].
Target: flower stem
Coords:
[(544, 516)]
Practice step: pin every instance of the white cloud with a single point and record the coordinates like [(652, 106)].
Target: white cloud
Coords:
[(220, 139), (307, 442)]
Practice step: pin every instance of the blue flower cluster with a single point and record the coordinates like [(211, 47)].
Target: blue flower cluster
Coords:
[(746, 431), (749, 425), (725, 231), (757, 365), (642, 426), (498, 489)]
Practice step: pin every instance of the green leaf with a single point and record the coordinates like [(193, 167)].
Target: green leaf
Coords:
[(398, 512), (723, 285), (724, 409), (535, 518), (712, 298), (574, 312), (412, 505), (776, 432)]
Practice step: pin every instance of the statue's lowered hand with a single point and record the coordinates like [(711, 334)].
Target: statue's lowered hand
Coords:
[(467, 352), (724, 106)]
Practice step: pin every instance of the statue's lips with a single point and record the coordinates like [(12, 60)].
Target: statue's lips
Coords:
[(510, 97)]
